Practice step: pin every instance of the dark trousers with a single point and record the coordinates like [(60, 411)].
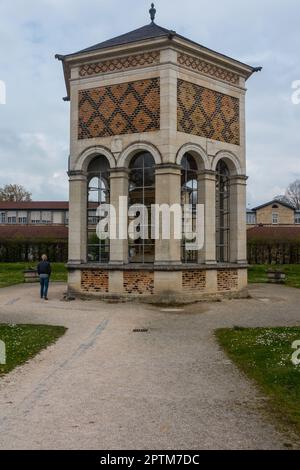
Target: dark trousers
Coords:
[(44, 281)]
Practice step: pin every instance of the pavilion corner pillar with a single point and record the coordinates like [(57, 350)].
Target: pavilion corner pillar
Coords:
[(119, 188), (168, 191), (207, 197), (238, 229), (77, 217)]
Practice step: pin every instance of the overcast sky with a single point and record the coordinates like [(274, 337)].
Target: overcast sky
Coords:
[(34, 124)]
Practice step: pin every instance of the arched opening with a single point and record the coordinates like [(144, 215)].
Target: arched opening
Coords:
[(98, 193), (142, 192), (189, 196), (222, 212)]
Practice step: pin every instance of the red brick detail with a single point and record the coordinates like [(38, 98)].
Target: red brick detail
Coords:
[(193, 280), (121, 63), (95, 280), (227, 279), (208, 113), (125, 108), (138, 282), (199, 65)]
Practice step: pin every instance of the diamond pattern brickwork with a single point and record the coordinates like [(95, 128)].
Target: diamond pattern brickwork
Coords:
[(94, 281), (227, 280), (193, 280), (199, 65), (207, 113), (141, 282), (119, 64), (125, 108)]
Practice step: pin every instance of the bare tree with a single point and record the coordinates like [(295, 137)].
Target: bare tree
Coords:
[(14, 193), (293, 194)]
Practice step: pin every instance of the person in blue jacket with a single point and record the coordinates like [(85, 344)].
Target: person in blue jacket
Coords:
[(44, 272)]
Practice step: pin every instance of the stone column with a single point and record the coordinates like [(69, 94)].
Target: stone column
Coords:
[(238, 230), (207, 196), (168, 191), (77, 217), (119, 187)]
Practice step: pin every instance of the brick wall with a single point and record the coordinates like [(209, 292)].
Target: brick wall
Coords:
[(193, 280), (140, 282), (95, 281), (121, 63), (227, 280), (207, 113), (125, 108)]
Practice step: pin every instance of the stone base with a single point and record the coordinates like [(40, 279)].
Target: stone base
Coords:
[(158, 284)]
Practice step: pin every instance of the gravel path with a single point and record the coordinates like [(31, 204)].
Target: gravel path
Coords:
[(102, 386)]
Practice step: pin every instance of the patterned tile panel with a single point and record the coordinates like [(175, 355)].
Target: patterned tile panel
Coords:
[(121, 63), (125, 108), (207, 113), (199, 65)]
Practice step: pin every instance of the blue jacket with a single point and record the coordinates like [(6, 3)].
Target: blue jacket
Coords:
[(44, 267)]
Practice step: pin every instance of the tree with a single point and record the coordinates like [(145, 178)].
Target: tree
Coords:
[(14, 193), (293, 194)]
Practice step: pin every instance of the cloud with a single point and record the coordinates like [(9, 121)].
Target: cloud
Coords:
[(34, 124)]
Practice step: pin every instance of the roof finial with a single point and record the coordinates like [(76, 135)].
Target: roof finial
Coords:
[(152, 12)]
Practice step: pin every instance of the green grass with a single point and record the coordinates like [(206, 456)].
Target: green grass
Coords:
[(12, 273), (264, 354), (24, 341), (257, 273)]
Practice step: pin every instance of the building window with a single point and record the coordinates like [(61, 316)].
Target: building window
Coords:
[(142, 192), (297, 218), (275, 218), (46, 217), (11, 217), (189, 195), (35, 217), (251, 218), (3, 218), (222, 212), (22, 220), (98, 193)]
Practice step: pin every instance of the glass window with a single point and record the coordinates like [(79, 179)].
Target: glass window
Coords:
[(3, 218), (11, 217), (98, 193), (189, 195), (46, 217), (142, 191), (222, 212), (297, 218), (251, 218), (35, 217), (275, 218)]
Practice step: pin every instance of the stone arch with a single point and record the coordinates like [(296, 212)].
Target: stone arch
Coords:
[(198, 153), (132, 149), (230, 159), (87, 156)]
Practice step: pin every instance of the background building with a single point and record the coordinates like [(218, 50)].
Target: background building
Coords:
[(29, 229), (272, 213), (273, 234)]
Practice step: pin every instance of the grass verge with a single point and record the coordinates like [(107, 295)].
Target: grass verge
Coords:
[(265, 354), (258, 273), (23, 342), (12, 273)]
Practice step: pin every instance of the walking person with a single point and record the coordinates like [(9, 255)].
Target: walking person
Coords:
[(44, 272)]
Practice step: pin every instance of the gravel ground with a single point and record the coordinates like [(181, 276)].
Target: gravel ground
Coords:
[(102, 386)]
